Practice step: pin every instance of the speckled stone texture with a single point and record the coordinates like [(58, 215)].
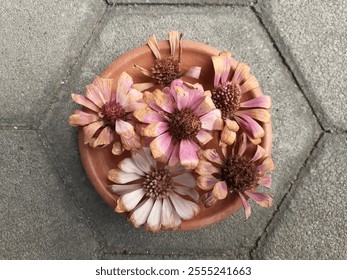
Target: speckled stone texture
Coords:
[(40, 42), (38, 216), (312, 37), (312, 224)]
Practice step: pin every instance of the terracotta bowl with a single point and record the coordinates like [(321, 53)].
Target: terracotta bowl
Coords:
[(97, 162)]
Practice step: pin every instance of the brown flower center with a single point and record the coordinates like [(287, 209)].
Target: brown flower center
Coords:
[(158, 183), (226, 97), (240, 174), (111, 112), (166, 70), (184, 124)]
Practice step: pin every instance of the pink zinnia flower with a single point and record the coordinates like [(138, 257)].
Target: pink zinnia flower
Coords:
[(155, 196), (237, 169), (166, 69), (237, 108), (178, 119), (108, 114)]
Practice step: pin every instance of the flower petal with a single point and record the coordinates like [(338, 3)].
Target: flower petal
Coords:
[(187, 191), (206, 168), (120, 177), (212, 120), (220, 190), (147, 115), (262, 102), (124, 129), (155, 129), (90, 129), (159, 101), (128, 201), (267, 165), (188, 154), (193, 72), (265, 180), (250, 126), (160, 145), (141, 213), (232, 125), (143, 161), (212, 155), (185, 179), (245, 205), (205, 106), (117, 148), (143, 86), (228, 136), (182, 98), (174, 41), (128, 165), (259, 153), (208, 199), (168, 218), (218, 66), (204, 136), (123, 189), (81, 100), (105, 137), (262, 115), (241, 73), (263, 199), (242, 144), (153, 45), (226, 58), (174, 157), (206, 182), (104, 87), (153, 221), (185, 208), (132, 143), (249, 84), (82, 118)]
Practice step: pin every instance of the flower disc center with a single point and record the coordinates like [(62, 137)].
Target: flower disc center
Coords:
[(184, 124), (158, 183), (239, 173), (166, 70), (111, 112), (226, 97)]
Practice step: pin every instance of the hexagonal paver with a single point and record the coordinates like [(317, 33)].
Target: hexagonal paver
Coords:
[(39, 43), (38, 216), (236, 29), (312, 35), (312, 224)]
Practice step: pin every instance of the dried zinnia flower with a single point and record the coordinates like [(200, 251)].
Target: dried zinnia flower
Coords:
[(108, 113), (166, 69), (177, 118), (228, 96), (155, 196), (235, 171)]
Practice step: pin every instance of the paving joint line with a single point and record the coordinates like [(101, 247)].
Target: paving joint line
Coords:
[(284, 61), (279, 208), (56, 97), (90, 223)]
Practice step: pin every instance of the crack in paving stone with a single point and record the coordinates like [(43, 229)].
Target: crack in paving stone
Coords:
[(279, 209), (187, 4), (285, 62)]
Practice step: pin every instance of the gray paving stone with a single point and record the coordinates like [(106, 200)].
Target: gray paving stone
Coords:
[(295, 128), (196, 2), (40, 40), (312, 224), (38, 218), (312, 36)]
